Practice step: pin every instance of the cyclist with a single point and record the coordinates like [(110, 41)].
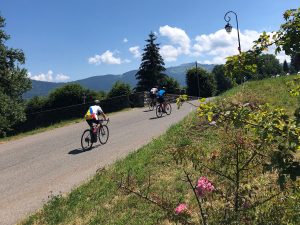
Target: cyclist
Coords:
[(161, 98), (93, 113), (153, 93)]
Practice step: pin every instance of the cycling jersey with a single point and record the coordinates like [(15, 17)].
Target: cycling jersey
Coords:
[(161, 93), (93, 112)]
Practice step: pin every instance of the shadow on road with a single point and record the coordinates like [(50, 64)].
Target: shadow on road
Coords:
[(80, 150), (147, 110), (153, 118)]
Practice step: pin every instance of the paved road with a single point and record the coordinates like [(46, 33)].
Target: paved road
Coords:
[(33, 167)]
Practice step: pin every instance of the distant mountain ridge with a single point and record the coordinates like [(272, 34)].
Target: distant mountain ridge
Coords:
[(105, 82)]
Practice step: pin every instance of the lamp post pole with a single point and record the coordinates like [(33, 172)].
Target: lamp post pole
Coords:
[(198, 80), (228, 26)]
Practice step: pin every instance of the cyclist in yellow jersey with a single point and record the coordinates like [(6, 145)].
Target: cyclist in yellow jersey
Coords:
[(93, 113)]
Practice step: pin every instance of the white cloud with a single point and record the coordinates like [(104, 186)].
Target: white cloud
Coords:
[(178, 37), (49, 77), (169, 53), (61, 77), (106, 58), (135, 51), (125, 40), (215, 47)]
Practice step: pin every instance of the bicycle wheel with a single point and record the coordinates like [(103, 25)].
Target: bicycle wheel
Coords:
[(168, 108), (151, 105), (159, 112), (86, 140), (103, 134)]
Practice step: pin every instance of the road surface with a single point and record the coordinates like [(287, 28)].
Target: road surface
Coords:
[(33, 167)]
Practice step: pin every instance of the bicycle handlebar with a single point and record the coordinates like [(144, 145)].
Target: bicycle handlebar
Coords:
[(102, 121)]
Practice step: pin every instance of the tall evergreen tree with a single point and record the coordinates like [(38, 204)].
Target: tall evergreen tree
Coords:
[(13, 83), (150, 72), (285, 67)]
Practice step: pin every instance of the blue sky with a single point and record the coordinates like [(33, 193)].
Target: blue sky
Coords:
[(66, 40)]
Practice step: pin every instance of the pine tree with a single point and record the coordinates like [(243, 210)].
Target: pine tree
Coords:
[(150, 72), (285, 67), (13, 83)]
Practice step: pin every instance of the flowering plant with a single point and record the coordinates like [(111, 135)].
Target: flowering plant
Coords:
[(204, 186)]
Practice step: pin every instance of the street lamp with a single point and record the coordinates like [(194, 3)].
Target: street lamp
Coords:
[(228, 26), (198, 80)]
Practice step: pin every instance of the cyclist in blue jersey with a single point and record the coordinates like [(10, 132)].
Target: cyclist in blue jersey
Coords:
[(161, 98)]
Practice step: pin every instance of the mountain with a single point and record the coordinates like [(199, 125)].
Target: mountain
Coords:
[(105, 82)]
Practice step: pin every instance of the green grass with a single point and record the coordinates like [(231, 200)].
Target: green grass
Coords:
[(100, 201)]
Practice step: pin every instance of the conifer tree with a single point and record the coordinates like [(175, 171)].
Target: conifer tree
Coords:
[(150, 72), (285, 67)]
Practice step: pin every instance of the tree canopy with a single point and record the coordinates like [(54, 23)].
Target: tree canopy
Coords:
[(223, 83), (200, 83), (13, 83), (150, 72), (119, 89)]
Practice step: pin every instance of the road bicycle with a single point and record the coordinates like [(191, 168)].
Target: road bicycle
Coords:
[(160, 112), (151, 103), (90, 136)]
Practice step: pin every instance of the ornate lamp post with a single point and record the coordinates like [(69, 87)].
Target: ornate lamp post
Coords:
[(228, 26)]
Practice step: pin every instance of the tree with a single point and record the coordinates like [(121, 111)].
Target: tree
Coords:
[(267, 66), (171, 85), (152, 66), (285, 67), (13, 83), (223, 83), (69, 94), (206, 86), (295, 61), (119, 89), (241, 67), (36, 104)]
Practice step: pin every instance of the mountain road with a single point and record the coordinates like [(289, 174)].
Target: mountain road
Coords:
[(52, 162)]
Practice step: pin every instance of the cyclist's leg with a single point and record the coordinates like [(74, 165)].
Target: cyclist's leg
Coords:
[(90, 123)]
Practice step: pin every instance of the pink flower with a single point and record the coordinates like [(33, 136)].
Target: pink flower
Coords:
[(181, 208), (204, 186)]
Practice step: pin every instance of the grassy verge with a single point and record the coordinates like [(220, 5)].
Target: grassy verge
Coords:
[(101, 201), (51, 127)]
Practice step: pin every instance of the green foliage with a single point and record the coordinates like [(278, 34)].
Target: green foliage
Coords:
[(119, 89), (200, 83), (13, 83), (152, 66), (288, 38), (223, 83), (241, 67), (171, 85), (295, 62), (285, 67), (36, 104), (267, 66), (69, 94)]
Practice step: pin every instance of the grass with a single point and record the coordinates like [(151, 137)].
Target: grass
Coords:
[(50, 127), (100, 201)]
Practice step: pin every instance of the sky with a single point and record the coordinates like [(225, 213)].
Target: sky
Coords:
[(67, 40)]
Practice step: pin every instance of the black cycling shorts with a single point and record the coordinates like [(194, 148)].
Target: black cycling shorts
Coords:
[(161, 99), (92, 121)]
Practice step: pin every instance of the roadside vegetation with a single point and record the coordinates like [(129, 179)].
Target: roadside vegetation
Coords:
[(148, 185)]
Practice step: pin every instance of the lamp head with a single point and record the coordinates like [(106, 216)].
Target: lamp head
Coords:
[(228, 28)]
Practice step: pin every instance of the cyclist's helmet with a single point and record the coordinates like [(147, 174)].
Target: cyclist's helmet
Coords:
[(97, 102)]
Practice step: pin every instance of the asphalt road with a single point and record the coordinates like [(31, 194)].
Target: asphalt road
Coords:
[(52, 162)]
